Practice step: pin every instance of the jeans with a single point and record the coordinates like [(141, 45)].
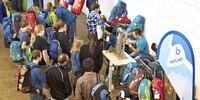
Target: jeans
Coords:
[(36, 97)]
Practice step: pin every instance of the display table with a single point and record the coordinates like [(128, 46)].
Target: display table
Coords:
[(115, 60)]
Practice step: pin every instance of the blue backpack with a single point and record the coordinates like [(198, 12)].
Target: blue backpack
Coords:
[(119, 10), (76, 62), (137, 23), (49, 34), (7, 30), (127, 71), (55, 50), (15, 51), (144, 90)]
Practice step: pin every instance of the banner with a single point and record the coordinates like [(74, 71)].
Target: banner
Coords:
[(175, 55)]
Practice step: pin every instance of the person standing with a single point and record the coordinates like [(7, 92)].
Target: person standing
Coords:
[(86, 82), (4, 12), (37, 76), (58, 81)]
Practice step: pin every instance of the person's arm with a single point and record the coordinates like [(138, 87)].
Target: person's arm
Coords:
[(24, 45), (134, 49), (47, 92), (45, 56)]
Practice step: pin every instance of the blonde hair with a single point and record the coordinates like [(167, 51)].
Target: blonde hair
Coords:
[(37, 30), (77, 45)]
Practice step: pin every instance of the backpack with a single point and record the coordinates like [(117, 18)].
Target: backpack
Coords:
[(120, 20), (31, 19), (127, 71), (76, 62), (43, 15), (158, 71), (71, 2), (134, 79), (16, 19), (144, 90), (55, 49), (77, 7), (158, 88), (15, 51), (7, 30), (51, 18), (100, 91), (119, 10), (49, 36), (137, 23), (24, 82), (28, 54)]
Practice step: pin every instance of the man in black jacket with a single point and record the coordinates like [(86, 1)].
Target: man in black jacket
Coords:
[(58, 80)]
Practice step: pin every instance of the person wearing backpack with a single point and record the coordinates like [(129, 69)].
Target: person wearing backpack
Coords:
[(94, 51), (70, 20), (52, 18), (58, 81), (24, 36), (86, 82), (142, 50), (38, 42), (63, 37), (37, 76)]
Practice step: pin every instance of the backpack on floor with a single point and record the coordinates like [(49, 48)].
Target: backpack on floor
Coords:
[(16, 19), (127, 71), (77, 7), (55, 49), (144, 90), (100, 91), (15, 51), (159, 73), (133, 80), (24, 82), (158, 88), (137, 23), (31, 19)]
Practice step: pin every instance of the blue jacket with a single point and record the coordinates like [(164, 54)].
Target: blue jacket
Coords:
[(37, 76), (65, 15), (2, 11)]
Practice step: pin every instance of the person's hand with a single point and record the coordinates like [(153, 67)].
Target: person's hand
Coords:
[(14, 35)]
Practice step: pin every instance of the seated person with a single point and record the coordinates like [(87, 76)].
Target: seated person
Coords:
[(142, 48)]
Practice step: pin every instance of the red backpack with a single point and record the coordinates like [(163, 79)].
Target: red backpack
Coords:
[(31, 18), (122, 20), (77, 7), (158, 88)]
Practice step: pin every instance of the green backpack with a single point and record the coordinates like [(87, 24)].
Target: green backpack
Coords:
[(144, 90), (28, 54)]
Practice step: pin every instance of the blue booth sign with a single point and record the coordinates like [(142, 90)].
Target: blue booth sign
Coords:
[(175, 55)]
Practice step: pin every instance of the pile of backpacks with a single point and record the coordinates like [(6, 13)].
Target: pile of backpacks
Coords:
[(143, 81)]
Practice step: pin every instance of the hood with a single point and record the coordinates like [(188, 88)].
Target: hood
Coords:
[(32, 65)]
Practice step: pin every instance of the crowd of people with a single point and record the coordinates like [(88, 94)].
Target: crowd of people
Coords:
[(85, 60)]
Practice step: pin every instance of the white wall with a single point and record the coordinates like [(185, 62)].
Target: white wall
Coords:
[(163, 16)]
